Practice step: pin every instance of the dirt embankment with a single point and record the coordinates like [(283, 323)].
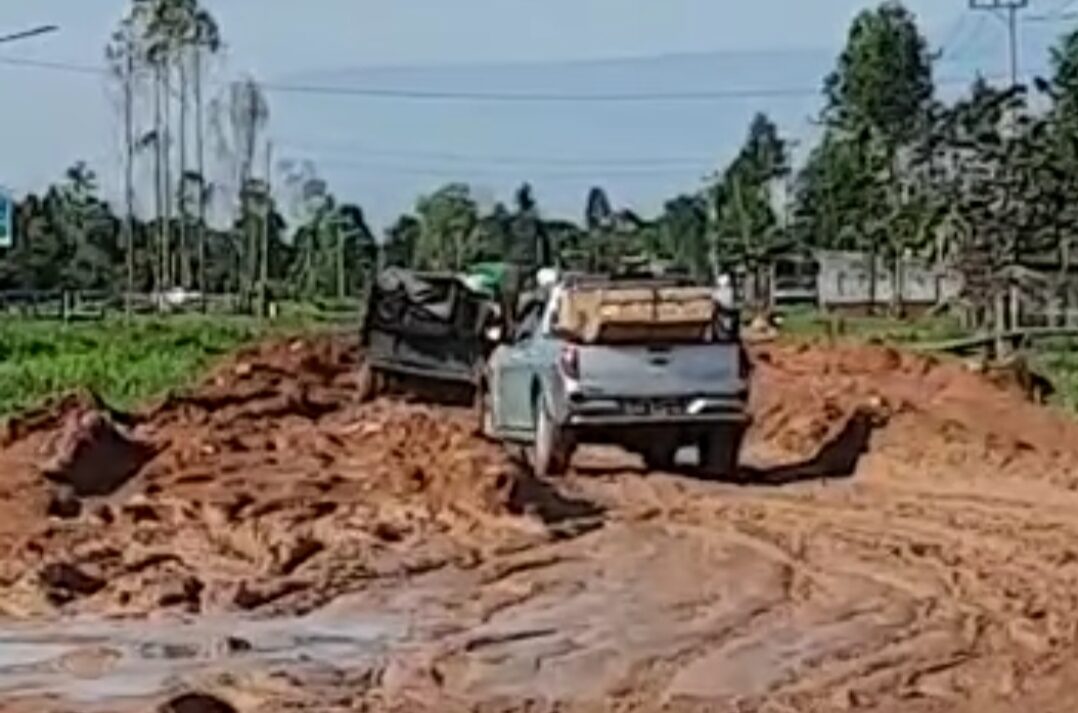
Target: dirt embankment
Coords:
[(266, 489), (904, 540)]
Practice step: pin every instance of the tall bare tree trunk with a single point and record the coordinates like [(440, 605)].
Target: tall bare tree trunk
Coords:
[(169, 186), (341, 281), (185, 250), (201, 150), (252, 224), (161, 258), (267, 217), (129, 174)]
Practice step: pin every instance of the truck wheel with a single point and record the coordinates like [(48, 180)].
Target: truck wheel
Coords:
[(719, 452), (660, 458), (370, 382), (551, 451), (484, 412)]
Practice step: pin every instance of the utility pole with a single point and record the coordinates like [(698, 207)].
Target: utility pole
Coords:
[(1006, 291), (1006, 10)]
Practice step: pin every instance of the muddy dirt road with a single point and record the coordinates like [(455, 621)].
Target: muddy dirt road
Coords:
[(908, 542)]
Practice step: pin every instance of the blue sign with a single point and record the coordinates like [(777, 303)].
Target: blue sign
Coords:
[(7, 219)]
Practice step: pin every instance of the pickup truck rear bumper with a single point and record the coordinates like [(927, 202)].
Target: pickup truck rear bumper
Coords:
[(616, 413)]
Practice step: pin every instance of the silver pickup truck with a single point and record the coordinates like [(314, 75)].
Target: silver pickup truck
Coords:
[(651, 397)]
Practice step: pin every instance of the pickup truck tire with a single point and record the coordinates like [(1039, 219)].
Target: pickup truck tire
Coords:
[(484, 411), (660, 458), (720, 451), (551, 451)]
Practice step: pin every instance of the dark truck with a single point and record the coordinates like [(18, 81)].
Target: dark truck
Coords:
[(430, 328), (651, 366)]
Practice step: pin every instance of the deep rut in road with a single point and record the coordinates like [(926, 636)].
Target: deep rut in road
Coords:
[(906, 541)]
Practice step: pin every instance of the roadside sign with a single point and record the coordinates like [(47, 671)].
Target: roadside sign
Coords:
[(7, 219)]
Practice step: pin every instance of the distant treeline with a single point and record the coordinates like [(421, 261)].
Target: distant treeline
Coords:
[(976, 184)]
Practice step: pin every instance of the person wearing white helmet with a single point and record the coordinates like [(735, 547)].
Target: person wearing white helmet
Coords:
[(724, 292)]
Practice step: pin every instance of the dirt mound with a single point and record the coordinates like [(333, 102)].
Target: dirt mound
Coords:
[(941, 413), (268, 487), (51, 416), (91, 455)]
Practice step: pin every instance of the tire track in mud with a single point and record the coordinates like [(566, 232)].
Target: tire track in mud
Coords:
[(975, 578)]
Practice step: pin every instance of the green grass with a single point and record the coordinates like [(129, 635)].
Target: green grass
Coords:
[(125, 363), (1058, 360), (809, 323)]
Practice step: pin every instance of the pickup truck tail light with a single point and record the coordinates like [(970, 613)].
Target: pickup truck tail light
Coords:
[(569, 362)]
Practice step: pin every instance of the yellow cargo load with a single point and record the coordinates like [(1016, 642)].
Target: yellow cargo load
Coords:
[(635, 314)]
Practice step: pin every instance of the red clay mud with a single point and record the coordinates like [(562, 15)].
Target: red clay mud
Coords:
[(902, 539)]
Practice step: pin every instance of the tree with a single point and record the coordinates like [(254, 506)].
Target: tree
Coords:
[(123, 54), (401, 241), (88, 230), (493, 236), (448, 218), (173, 28), (356, 249), (530, 247), (569, 242), (36, 260), (237, 122), (684, 226), (598, 213), (599, 221), (879, 103), (883, 80), (747, 231), (69, 238), (206, 40)]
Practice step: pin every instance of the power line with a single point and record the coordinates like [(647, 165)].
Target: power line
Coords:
[(538, 97), (375, 167), (404, 94), (27, 34), (518, 159), (53, 66), (471, 96), (599, 98)]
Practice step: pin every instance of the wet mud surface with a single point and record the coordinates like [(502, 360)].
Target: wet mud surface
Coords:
[(903, 537)]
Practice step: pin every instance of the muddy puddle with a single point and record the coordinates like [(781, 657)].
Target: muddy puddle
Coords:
[(93, 661)]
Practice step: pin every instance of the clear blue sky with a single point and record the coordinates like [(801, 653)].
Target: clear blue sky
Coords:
[(382, 153)]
